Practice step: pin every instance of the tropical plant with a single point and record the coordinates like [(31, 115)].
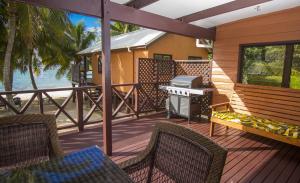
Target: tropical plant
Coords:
[(82, 38), (40, 37), (41, 31), (68, 47), (118, 28), (7, 65), (3, 33)]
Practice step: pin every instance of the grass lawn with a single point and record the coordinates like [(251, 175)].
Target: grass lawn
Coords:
[(273, 81), (295, 82)]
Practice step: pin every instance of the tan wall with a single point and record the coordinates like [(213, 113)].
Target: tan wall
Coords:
[(122, 66), (96, 76), (124, 63), (180, 47), (279, 26), (141, 53)]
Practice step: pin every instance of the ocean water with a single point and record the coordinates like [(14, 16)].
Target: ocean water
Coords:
[(46, 79)]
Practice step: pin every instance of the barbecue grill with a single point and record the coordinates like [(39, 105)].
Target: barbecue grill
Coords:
[(185, 96)]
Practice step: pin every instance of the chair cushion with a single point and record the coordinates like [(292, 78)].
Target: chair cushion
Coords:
[(23, 143), (276, 127)]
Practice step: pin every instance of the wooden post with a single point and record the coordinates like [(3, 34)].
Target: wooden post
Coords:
[(136, 100), (74, 95), (211, 129), (85, 70), (79, 109), (106, 78), (40, 95)]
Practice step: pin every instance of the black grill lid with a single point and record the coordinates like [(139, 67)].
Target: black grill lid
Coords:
[(187, 81)]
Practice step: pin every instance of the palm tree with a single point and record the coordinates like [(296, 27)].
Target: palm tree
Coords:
[(3, 33), (81, 38), (40, 37), (28, 30), (118, 28), (7, 66), (41, 32), (73, 42)]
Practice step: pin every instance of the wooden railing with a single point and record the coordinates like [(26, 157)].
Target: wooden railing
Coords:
[(87, 100)]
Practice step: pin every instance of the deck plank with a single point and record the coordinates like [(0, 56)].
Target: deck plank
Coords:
[(250, 158)]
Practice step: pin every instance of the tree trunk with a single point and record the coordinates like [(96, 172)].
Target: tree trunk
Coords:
[(7, 68), (30, 68)]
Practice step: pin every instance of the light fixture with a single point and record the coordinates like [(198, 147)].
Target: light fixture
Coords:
[(258, 8)]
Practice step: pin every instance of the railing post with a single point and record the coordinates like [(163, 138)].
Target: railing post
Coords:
[(79, 109), (41, 102), (136, 100), (74, 95), (106, 77)]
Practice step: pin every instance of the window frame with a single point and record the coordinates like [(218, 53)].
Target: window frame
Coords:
[(288, 59), (162, 54), (195, 58)]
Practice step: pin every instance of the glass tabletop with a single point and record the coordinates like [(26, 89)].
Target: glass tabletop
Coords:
[(87, 165)]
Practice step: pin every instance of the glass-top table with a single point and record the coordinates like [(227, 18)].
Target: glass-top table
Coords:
[(87, 165)]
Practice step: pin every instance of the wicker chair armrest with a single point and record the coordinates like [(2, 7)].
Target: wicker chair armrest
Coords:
[(226, 104), (138, 168)]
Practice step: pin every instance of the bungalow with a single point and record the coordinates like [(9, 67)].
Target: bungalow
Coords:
[(144, 43)]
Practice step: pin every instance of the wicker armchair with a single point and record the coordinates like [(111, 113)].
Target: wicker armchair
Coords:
[(177, 154), (27, 139)]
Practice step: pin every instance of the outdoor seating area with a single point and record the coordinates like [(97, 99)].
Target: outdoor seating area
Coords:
[(250, 157), (249, 111), (150, 91)]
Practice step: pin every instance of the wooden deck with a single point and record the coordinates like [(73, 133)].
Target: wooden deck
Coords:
[(250, 158)]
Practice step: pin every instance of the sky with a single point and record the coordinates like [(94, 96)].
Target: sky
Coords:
[(92, 24)]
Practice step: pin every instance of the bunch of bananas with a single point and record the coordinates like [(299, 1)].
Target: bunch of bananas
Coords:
[(280, 128)]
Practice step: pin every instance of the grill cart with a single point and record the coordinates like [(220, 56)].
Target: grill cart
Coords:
[(185, 94)]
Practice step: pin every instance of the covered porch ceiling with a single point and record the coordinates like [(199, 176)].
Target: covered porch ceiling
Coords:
[(212, 13), (189, 17)]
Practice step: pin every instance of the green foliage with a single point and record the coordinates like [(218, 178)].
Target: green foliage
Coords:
[(66, 49), (295, 81), (42, 31), (3, 13), (263, 65), (118, 28), (45, 39), (3, 33)]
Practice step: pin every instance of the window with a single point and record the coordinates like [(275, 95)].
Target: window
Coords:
[(271, 65), (194, 58), (162, 56)]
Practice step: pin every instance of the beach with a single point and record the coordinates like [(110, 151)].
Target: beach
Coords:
[(54, 95)]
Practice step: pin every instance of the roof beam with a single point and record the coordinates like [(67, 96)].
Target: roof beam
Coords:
[(127, 14), (153, 21), (76, 6), (224, 8), (138, 4)]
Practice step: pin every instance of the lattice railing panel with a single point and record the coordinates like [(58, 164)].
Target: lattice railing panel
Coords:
[(153, 73), (165, 70), (147, 97), (146, 70), (194, 68)]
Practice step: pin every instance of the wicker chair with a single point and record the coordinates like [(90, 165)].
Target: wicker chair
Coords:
[(177, 154), (27, 139)]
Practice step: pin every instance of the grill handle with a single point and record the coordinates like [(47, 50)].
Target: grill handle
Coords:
[(181, 85)]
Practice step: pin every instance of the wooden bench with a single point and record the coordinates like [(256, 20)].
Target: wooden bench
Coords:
[(272, 103)]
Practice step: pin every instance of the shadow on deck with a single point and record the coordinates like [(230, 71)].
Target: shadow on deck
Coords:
[(250, 158)]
